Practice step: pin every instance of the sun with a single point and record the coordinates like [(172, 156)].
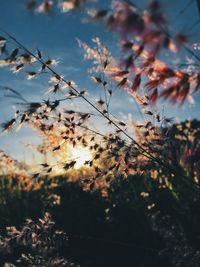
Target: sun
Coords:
[(80, 155)]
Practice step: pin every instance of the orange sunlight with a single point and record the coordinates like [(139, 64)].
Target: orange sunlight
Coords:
[(80, 155)]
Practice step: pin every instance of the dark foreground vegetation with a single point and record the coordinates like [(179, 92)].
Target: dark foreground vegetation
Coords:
[(138, 224), (143, 220)]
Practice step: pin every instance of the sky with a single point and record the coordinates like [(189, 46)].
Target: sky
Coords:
[(56, 36)]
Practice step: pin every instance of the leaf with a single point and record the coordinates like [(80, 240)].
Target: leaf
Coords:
[(31, 5), (122, 82), (99, 14), (122, 123), (7, 125), (181, 38), (56, 88), (3, 48), (14, 54), (48, 62), (154, 96), (152, 84), (82, 92), (56, 148), (97, 79), (35, 175), (49, 170), (136, 82), (31, 75), (198, 6), (45, 165), (17, 68), (2, 40), (120, 73), (39, 54), (148, 112), (100, 102)]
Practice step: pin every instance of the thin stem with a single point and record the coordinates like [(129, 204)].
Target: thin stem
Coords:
[(138, 146)]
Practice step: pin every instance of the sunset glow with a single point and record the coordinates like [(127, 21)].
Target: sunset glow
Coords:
[(80, 155)]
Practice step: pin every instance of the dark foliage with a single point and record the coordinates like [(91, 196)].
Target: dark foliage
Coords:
[(123, 229)]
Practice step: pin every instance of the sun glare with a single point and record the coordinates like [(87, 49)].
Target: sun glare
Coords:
[(80, 154)]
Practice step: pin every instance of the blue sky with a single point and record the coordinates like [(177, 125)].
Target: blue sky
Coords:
[(55, 36)]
